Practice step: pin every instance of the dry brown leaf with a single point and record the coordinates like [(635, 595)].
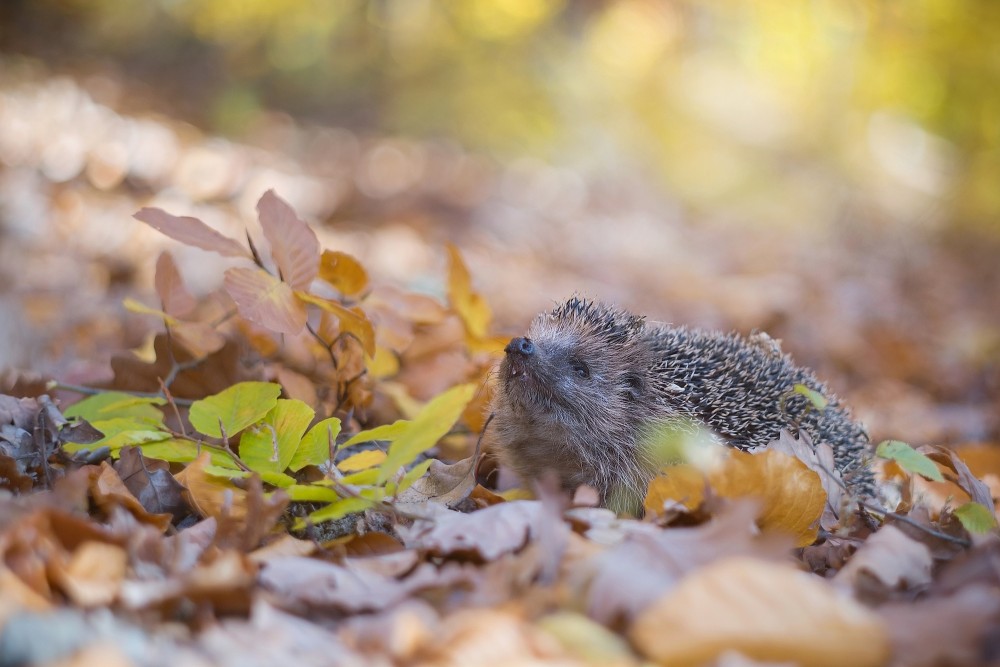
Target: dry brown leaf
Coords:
[(94, 574), (263, 299), (767, 611), (294, 245), (484, 535), (108, 490), (444, 483), (792, 495), (892, 558), (211, 496), (342, 271), (176, 300), (191, 231)]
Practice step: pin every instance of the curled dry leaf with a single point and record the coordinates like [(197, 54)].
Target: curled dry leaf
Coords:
[(352, 321), (444, 483), (682, 483), (263, 299), (108, 490), (191, 231), (767, 611), (486, 534), (211, 496), (294, 245)]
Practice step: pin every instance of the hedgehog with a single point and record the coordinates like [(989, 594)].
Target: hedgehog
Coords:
[(578, 396)]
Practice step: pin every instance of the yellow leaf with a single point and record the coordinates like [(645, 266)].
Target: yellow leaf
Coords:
[(140, 308), (769, 612), (469, 305), (352, 320), (682, 483), (362, 460), (343, 272), (792, 495)]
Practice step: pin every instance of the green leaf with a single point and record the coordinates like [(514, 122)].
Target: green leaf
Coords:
[(228, 473), (335, 510), (112, 404), (236, 408), (818, 400), (909, 459), (362, 477), (387, 432), (270, 445), (311, 493), (120, 432), (430, 425), (976, 518), (314, 449), (180, 450), (278, 479)]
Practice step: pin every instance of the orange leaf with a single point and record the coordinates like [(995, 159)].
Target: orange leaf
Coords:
[(263, 299), (94, 575), (682, 483), (792, 495), (294, 245), (198, 338), (343, 272), (176, 299), (769, 612), (469, 305), (191, 231), (352, 320), (210, 495)]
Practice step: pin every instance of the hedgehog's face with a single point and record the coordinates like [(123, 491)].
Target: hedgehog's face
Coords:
[(579, 366)]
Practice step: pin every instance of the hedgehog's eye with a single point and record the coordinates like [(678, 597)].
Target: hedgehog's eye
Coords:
[(579, 368)]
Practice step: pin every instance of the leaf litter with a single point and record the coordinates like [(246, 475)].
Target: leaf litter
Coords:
[(284, 470)]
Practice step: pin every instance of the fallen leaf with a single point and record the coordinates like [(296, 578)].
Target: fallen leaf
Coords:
[(767, 611), (94, 574), (444, 483), (108, 490), (211, 496), (682, 483), (895, 560), (352, 321), (234, 408), (792, 495)]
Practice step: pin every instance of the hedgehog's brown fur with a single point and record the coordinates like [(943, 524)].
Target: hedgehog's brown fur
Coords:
[(578, 393)]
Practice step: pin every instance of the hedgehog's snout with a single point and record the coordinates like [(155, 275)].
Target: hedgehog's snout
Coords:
[(520, 345), (520, 354)]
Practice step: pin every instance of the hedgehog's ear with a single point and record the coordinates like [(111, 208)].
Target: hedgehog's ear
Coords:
[(634, 387)]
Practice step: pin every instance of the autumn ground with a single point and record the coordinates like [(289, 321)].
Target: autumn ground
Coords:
[(193, 517)]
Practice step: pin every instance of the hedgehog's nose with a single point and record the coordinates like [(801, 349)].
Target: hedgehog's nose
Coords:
[(520, 345)]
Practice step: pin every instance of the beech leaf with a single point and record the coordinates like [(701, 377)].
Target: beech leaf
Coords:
[(976, 518), (470, 306), (352, 320), (294, 245), (315, 447), (342, 271), (174, 296), (263, 299), (237, 407), (909, 459), (270, 445), (769, 612), (210, 495), (191, 231)]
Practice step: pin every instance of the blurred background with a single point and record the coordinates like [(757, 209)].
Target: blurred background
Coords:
[(827, 170)]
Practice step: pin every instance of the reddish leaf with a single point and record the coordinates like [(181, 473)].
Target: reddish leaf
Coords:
[(294, 245), (191, 231), (176, 300), (263, 299)]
